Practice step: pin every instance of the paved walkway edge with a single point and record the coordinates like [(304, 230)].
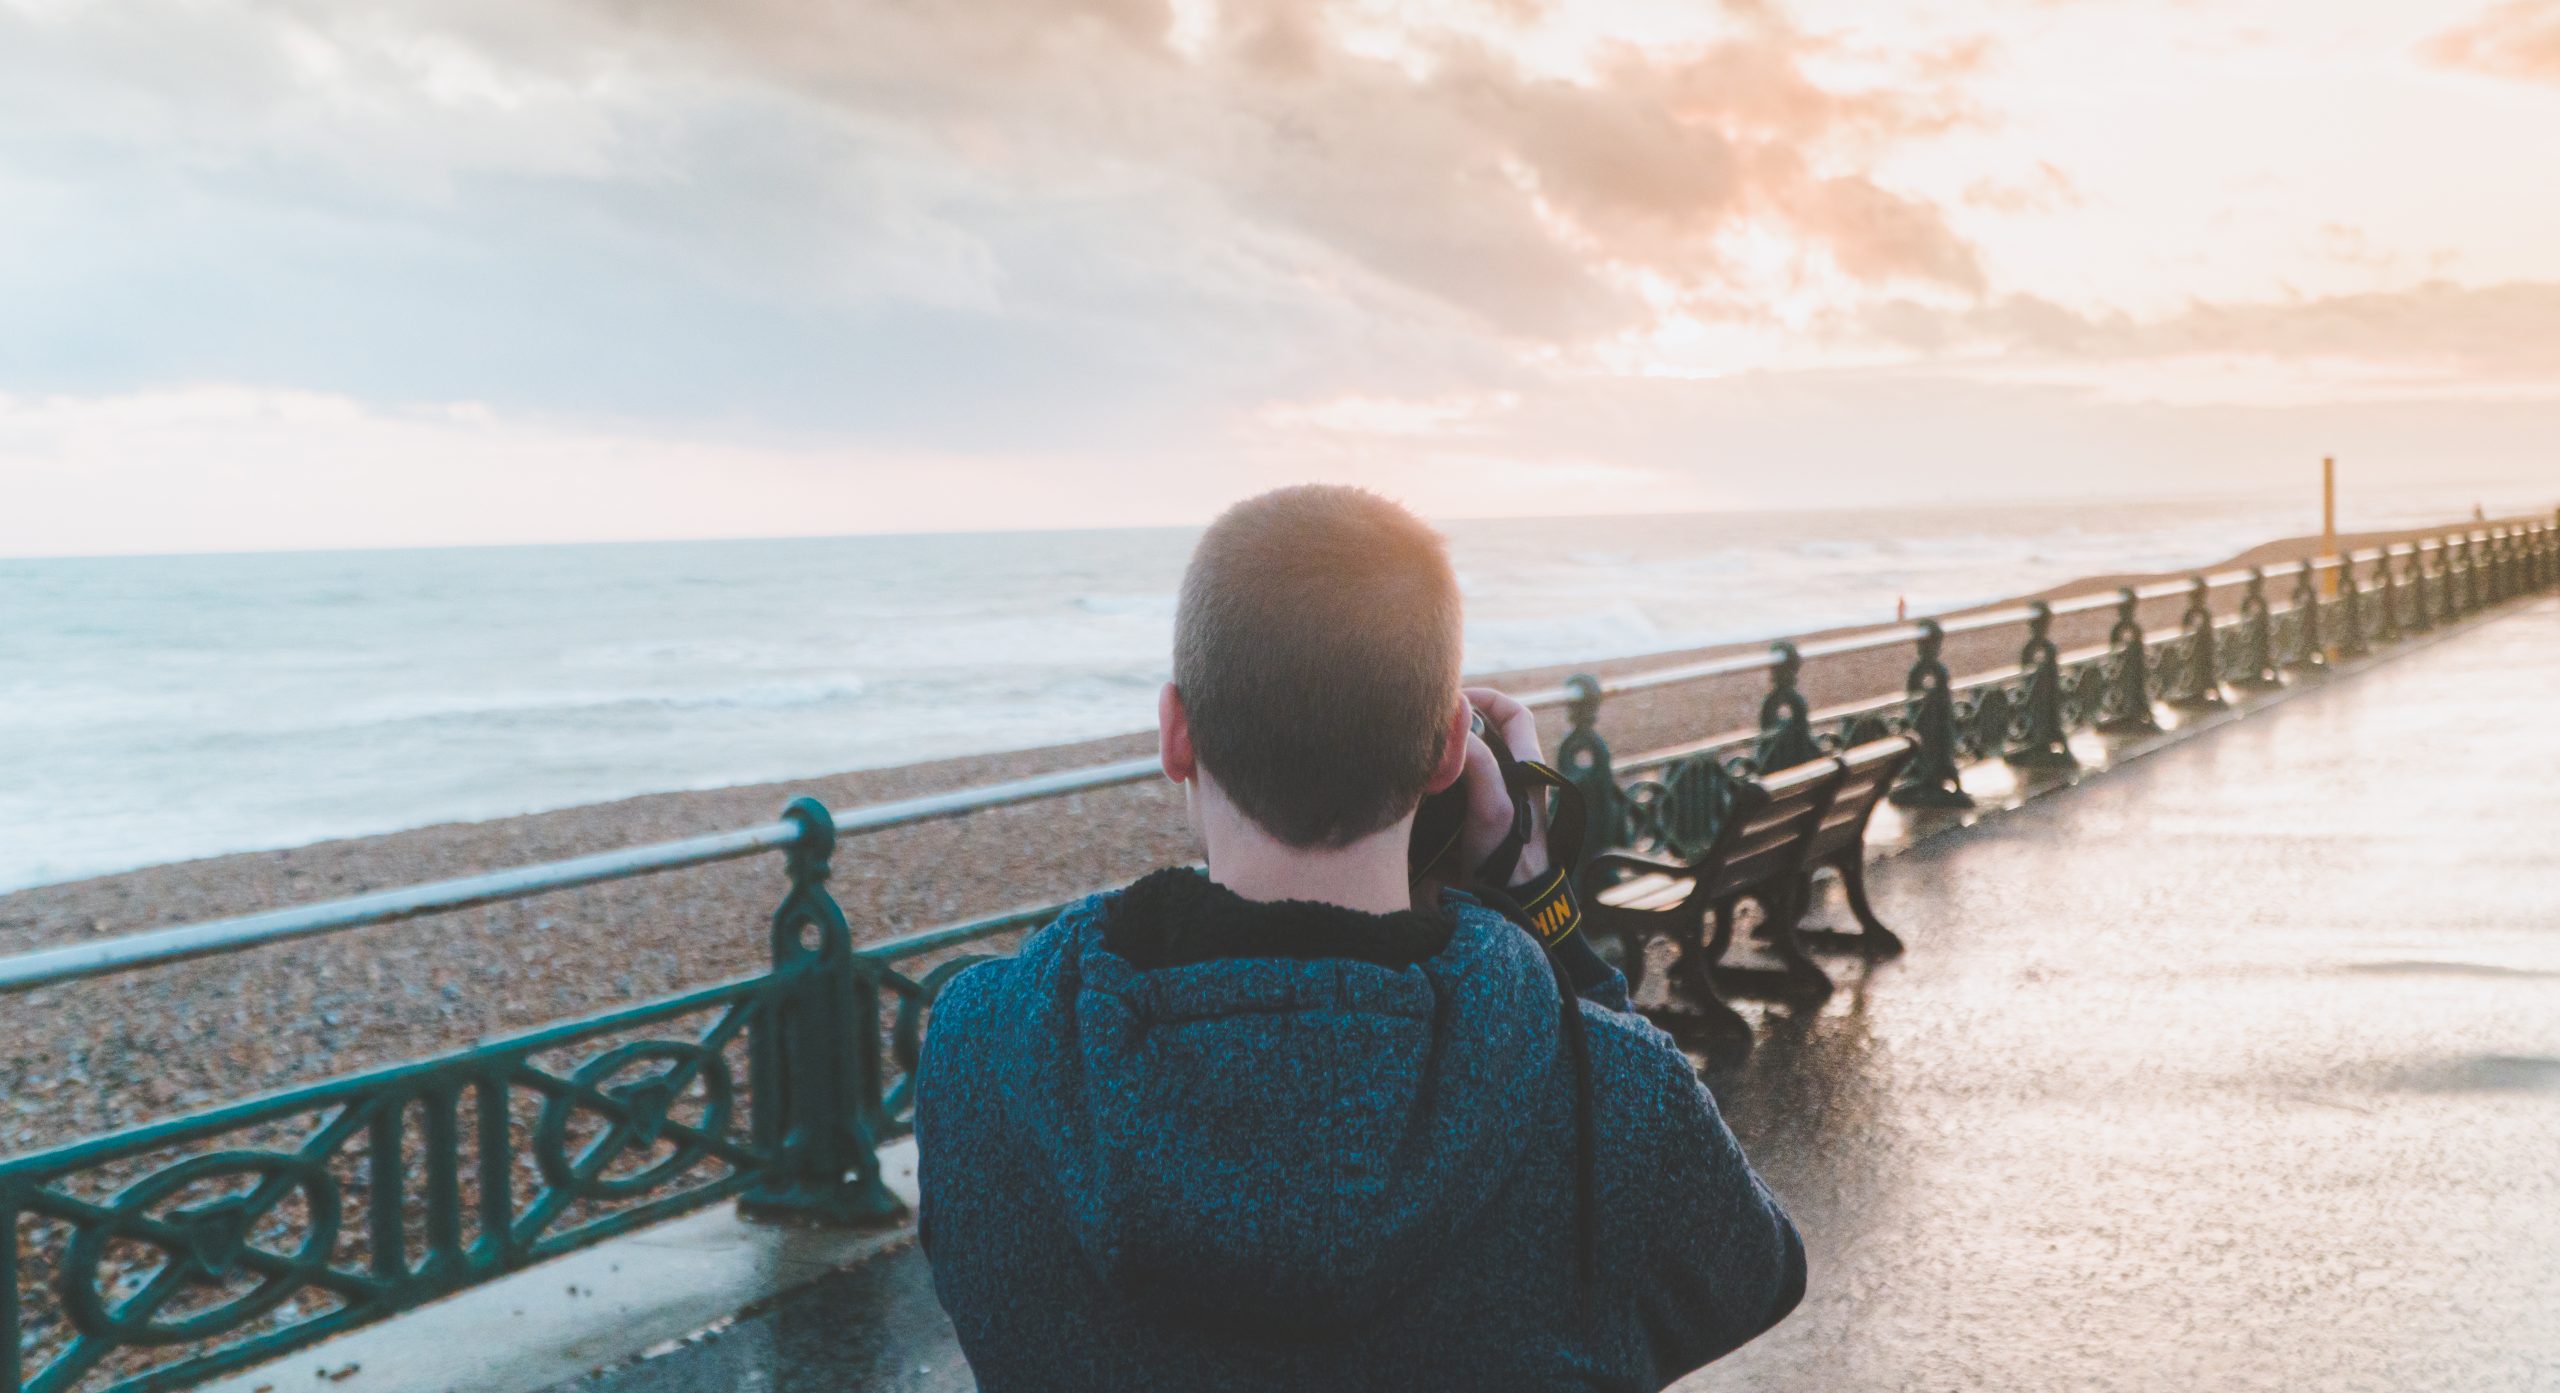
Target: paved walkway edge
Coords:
[(620, 1301)]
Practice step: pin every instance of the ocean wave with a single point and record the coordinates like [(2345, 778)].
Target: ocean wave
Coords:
[(440, 706), (687, 654), (1836, 549), (1142, 606), (1603, 631)]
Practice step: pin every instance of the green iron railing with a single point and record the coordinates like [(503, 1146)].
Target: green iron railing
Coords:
[(1673, 800), (165, 1254)]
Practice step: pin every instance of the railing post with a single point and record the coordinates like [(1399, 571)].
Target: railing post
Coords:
[(2350, 642), (2257, 664), (2422, 615), (825, 1025), (2043, 743), (2310, 653), (1929, 780), (2466, 591), (2386, 623), (1583, 757), (13, 1341), (1786, 735), (2446, 610), (2200, 686), (2128, 703)]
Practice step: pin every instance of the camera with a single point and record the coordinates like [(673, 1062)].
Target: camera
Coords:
[(1441, 821)]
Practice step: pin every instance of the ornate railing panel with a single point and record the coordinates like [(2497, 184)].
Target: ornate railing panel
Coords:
[(176, 1251)]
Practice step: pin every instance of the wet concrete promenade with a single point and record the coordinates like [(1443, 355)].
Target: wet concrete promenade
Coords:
[(2237, 1068)]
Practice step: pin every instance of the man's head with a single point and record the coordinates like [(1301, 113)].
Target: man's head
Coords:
[(1315, 663)]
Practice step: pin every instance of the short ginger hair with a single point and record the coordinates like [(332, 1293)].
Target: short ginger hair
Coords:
[(1317, 650)]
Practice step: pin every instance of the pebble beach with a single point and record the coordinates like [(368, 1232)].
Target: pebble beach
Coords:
[(96, 1056)]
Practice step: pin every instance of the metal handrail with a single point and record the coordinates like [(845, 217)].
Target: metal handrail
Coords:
[(73, 962), (1892, 635), (160, 946), (1741, 736)]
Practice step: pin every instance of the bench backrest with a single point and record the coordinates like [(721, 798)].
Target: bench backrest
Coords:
[(1867, 774), (1768, 838)]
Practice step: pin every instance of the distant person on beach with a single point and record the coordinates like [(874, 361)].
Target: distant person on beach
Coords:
[(1290, 1125)]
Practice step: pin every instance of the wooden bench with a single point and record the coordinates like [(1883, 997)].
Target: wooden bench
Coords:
[(1839, 846), (1778, 832)]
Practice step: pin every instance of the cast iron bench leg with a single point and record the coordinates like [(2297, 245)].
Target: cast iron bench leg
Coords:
[(1799, 980), (1874, 941), (1700, 1018)]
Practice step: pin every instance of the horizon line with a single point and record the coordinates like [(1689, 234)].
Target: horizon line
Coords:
[(2091, 500)]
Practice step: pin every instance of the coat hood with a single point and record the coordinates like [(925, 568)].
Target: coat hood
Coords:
[(1278, 1144)]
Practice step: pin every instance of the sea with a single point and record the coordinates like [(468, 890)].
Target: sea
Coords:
[(160, 708)]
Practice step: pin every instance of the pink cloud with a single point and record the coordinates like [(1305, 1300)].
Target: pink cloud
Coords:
[(1452, 171), (2520, 39)]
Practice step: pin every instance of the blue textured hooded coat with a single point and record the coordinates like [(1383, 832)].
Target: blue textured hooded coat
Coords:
[(1317, 1172)]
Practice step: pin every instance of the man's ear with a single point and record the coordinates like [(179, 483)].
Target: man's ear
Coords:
[(1173, 736), (1453, 747)]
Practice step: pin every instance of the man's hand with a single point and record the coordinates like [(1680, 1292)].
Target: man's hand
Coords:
[(1489, 805)]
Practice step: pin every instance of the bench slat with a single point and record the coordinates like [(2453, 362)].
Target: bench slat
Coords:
[(1646, 892)]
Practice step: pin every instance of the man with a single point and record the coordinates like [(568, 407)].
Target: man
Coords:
[(1275, 1127)]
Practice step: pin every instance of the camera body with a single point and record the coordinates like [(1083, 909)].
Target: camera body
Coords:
[(1441, 822), (1437, 826)]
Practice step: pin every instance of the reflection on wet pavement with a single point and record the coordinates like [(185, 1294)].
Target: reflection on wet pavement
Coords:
[(873, 1327), (2235, 1069)]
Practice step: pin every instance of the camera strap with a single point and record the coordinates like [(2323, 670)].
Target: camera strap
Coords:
[(1548, 907), (1551, 910)]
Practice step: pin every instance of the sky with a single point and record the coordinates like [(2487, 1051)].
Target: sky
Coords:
[(322, 273)]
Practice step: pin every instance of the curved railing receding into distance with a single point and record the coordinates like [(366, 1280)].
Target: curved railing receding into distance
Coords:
[(171, 1252)]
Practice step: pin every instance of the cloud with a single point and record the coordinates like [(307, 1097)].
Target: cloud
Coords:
[(2045, 189), (1445, 164), (864, 214), (2434, 335), (2520, 39)]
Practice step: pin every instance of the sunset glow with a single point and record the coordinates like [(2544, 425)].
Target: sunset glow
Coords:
[(282, 274)]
